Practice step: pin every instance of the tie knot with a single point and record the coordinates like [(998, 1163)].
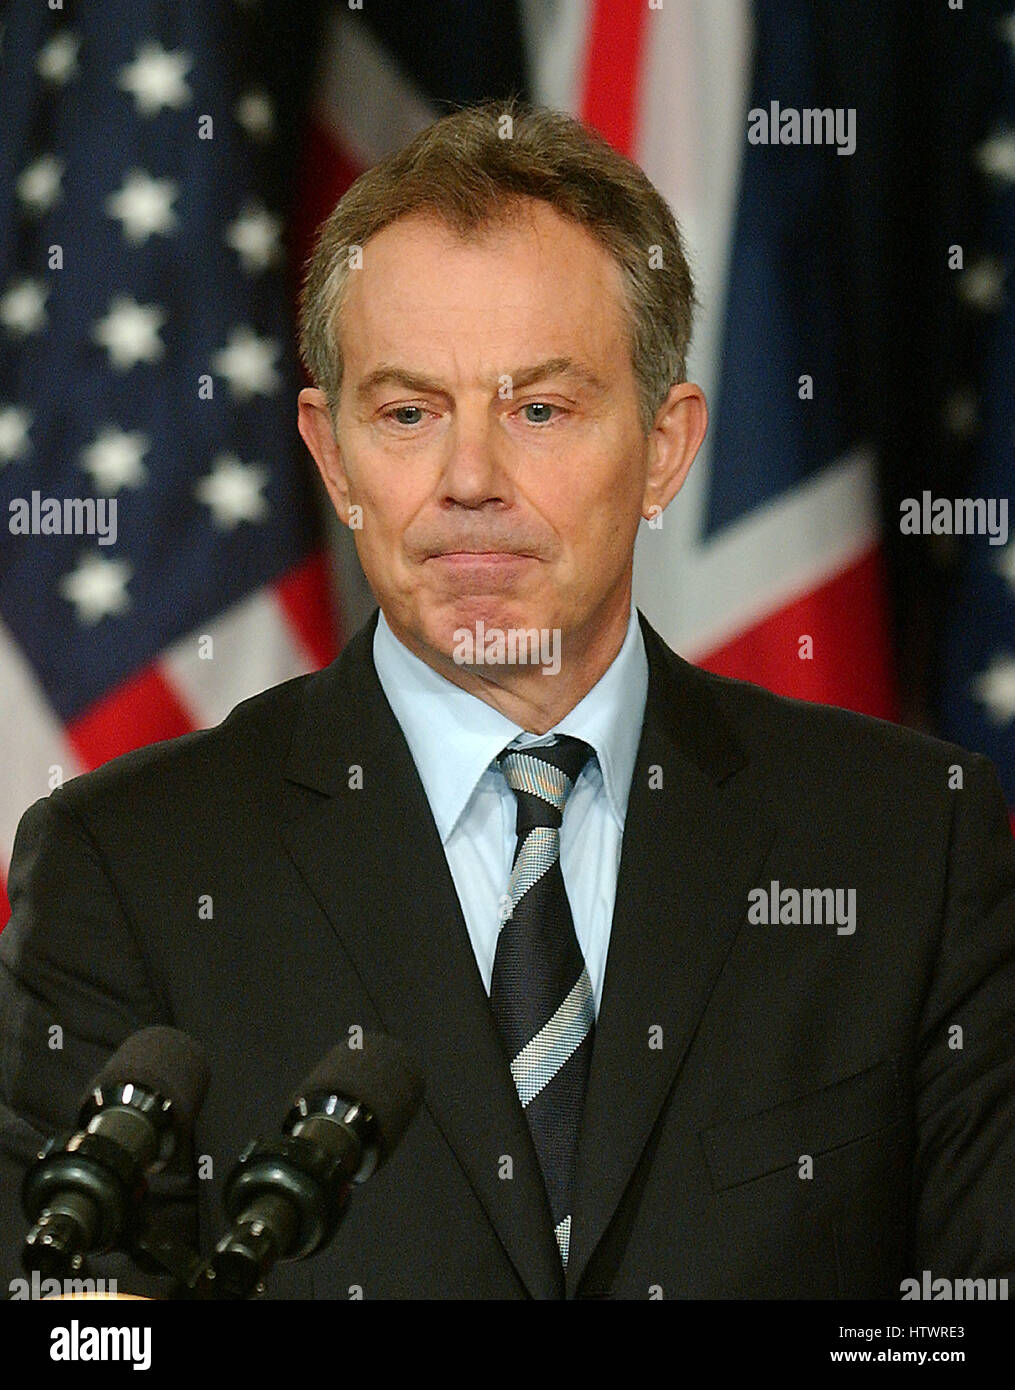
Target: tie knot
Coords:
[(543, 777)]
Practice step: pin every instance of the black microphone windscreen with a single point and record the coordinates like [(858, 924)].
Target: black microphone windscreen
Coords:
[(163, 1060), (383, 1075)]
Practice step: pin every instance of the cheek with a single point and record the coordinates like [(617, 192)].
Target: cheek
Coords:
[(387, 506), (606, 508)]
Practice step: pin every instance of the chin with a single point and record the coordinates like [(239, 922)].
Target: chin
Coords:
[(488, 610)]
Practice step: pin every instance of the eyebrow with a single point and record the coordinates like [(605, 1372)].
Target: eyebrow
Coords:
[(521, 378)]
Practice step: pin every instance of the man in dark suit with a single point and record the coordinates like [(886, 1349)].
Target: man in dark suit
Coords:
[(712, 991)]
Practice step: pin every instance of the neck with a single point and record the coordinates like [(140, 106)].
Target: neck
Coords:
[(523, 693)]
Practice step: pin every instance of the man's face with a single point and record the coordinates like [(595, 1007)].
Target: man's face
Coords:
[(488, 429)]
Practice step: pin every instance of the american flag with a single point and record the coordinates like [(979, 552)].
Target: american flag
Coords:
[(976, 674), (146, 358)]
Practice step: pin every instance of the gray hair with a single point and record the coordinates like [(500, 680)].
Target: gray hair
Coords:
[(473, 169)]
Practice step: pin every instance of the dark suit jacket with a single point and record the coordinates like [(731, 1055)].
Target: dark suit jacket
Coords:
[(334, 906)]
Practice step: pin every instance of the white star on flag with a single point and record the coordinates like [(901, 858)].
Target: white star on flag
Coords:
[(155, 78), (58, 59), (23, 307), (15, 422), (130, 332), (114, 459), (143, 205), (995, 688), (97, 588), (255, 112), (982, 284), (232, 490), (255, 237), (996, 156), (248, 364), (39, 183)]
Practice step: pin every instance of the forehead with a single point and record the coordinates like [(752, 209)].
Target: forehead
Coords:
[(538, 281)]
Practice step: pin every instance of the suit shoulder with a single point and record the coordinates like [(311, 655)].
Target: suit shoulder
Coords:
[(795, 730), (251, 742)]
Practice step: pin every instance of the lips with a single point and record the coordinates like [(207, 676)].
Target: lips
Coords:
[(474, 555), (481, 568)]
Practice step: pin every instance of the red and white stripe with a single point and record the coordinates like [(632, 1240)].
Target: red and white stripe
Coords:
[(282, 631)]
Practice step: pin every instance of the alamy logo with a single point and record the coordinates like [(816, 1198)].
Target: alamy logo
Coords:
[(515, 646), (814, 125), (63, 516), (775, 905), (77, 1343), (37, 1287), (961, 516), (961, 1290)]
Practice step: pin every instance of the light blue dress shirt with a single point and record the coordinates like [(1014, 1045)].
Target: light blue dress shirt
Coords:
[(454, 739)]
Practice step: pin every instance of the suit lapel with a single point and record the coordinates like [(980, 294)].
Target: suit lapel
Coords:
[(373, 859), (692, 847)]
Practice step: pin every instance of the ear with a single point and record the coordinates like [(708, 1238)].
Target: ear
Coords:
[(314, 422), (673, 442)]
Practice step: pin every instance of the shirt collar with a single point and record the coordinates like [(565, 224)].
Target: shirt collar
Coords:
[(436, 716)]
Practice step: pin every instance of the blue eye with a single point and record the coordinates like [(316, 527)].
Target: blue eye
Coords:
[(539, 405), (401, 409)]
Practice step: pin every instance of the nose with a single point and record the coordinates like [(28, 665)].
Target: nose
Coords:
[(475, 469)]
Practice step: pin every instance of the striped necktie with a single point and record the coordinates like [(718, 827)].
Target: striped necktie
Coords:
[(540, 993)]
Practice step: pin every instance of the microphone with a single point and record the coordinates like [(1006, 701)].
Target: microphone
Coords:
[(85, 1188), (287, 1194)]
